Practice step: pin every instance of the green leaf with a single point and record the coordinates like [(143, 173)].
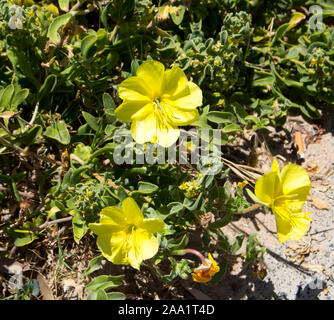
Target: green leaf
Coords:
[(31, 135), (252, 118), (104, 14), (82, 152), (93, 265), (18, 98), (48, 86), (102, 295), (280, 32), (134, 66), (90, 120), (116, 296), (263, 79), (222, 222), (175, 207), (6, 97), (73, 176), (101, 151), (174, 245), (108, 104), (295, 19), (221, 117), (22, 237), (178, 17), (240, 112), (64, 5), (192, 205), (58, 132), (232, 128), (237, 243), (55, 25), (104, 282), (80, 227), (87, 45), (147, 188)]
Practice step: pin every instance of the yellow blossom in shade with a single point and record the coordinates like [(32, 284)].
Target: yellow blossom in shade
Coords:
[(124, 236), (157, 101), (285, 193), (205, 271), (242, 184)]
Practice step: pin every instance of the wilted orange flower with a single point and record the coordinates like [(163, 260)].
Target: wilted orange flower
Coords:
[(242, 184), (205, 271)]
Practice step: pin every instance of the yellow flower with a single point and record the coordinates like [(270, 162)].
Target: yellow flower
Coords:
[(242, 184), (205, 271), (285, 193), (157, 102), (124, 236)]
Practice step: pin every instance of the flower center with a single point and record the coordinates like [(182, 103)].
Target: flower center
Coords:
[(156, 101), (131, 228), (159, 110)]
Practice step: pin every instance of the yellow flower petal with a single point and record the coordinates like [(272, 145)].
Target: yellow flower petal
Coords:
[(153, 225), (185, 99), (154, 129), (132, 212), (291, 201), (290, 225), (112, 248), (179, 117), (143, 113), (127, 109), (295, 180), (135, 251), (119, 247), (144, 130), (275, 166), (175, 82), (267, 187), (135, 89), (101, 229), (112, 216), (166, 134), (152, 74), (148, 243)]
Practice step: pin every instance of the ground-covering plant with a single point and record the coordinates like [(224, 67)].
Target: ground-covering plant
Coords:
[(96, 96)]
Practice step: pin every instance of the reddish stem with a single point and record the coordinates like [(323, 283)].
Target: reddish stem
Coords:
[(198, 254)]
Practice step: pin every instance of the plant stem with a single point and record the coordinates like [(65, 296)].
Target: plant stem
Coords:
[(4, 127), (24, 152), (198, 254), (34, 114), (253, 207), (78, 5), (22, 193), (113, 32), (48, 223)]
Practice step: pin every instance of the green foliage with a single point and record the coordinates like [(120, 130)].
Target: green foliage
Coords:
[(99, 287)]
